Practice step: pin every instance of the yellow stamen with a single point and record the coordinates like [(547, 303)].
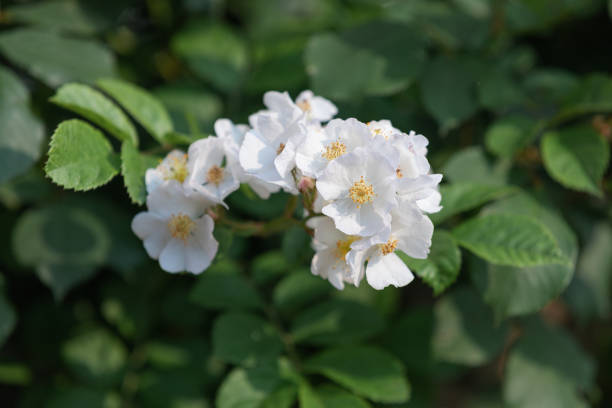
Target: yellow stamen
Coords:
[(176, 169), (388, 247), (181, 226), (280, 149), (304, 106), (398, 172), (361, 192), (344, 246), (215, 175), (334, 150)]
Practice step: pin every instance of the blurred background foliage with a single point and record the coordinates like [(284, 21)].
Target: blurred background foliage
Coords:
[(515, 97)]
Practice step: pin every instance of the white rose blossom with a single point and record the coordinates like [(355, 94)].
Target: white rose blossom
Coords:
[(173, 168), (316, 108)]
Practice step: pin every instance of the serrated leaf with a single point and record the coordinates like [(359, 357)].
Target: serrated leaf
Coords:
[(141, 104), (576, 157), (537, 378), (508, 239), (442, 265), (133, 168), (460, 338), (21, 133), (465, 196), (96, 107), (96, 357), (336, 321), (242, 338), (225, 291), (367, 371), (55, 59)]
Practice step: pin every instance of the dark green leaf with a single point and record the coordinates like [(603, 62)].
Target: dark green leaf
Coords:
[(8, 318), (225, 291), (335, 397), (298, 290), (77, 397)]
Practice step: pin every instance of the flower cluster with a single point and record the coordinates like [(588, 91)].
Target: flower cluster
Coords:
[(366, 189)]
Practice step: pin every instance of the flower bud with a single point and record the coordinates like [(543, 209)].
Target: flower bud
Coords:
[(306, 184)]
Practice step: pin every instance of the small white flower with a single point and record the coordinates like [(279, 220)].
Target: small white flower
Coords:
[(332, 247), (316, 108), (233, 136), (422, 190), (173, 168), (412, 152), (175, 231), (361, 189), (207, 173), (382, 128), (322, 145)]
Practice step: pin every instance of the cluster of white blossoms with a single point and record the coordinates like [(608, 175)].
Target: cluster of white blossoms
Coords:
[(369, 186)]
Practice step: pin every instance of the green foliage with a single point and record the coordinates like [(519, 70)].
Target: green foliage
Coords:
[(225, 291), (133, 168)]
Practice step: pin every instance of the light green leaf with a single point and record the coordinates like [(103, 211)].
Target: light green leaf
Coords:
[(512, 240), (133, 168), (510, 134), (21, 133), (225, 291), (465, 196), (355, 63), (367, 371), (472, 165), (459, 337), (298, 290), (441, 267), (335, 397), (242, 338), (8, 318), (80, 157), (514, 291), (142, 105), (336, 321), (96, 357), (307, 397), (449, 91), (536, 376), (213, 51), (54, 59), (576, 157), (96, 107)]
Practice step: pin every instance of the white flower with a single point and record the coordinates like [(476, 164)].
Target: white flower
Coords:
[(316, 108), (361, 189), (175, 231), (322, 145), (410, 231), (172, 169), (207, 173), (233, 136), (331, 248), (422, 190), (382, 128), (412, 151)]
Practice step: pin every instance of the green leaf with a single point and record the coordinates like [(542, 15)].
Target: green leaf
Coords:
[(176, 389), (96, 107), (441, 267), (449, 93), (133, 168), (514, 291), (336, 321), (576, 157), (536, 376), (335, 397), (242, 338), (64, 243), (465, 196), (298, 290), (498, 90), (307, 397), (21, 133), (96, 357), (508, 239), (269, 266), (255, 388), (296, 245), (142, 105), (76, 397), (355, 63), (589, 96), (80, 157), (213, 51), (509, 135), (225, 291), (8, 318), (54, 59), (15, 374), (472, 165), (367, 371), (459, 337)]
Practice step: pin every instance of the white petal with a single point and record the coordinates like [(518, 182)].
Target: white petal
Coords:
[(431, 204), (172, 257), (171, 198), (202, 246), (385, 270), (328, 266), (255, 152)]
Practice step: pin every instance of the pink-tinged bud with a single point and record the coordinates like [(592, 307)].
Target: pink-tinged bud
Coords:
[(306, 184), (212, 214)]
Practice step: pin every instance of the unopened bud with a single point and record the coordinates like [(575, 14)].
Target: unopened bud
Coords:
[(306, 184)]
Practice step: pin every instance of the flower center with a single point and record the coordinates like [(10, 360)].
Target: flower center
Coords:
[(215, 175), (398, 172), (304, 105), (280, 149), (334, 150), (388, 247), (176, 169), (361, 192), (181, 226), (344, 246)]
